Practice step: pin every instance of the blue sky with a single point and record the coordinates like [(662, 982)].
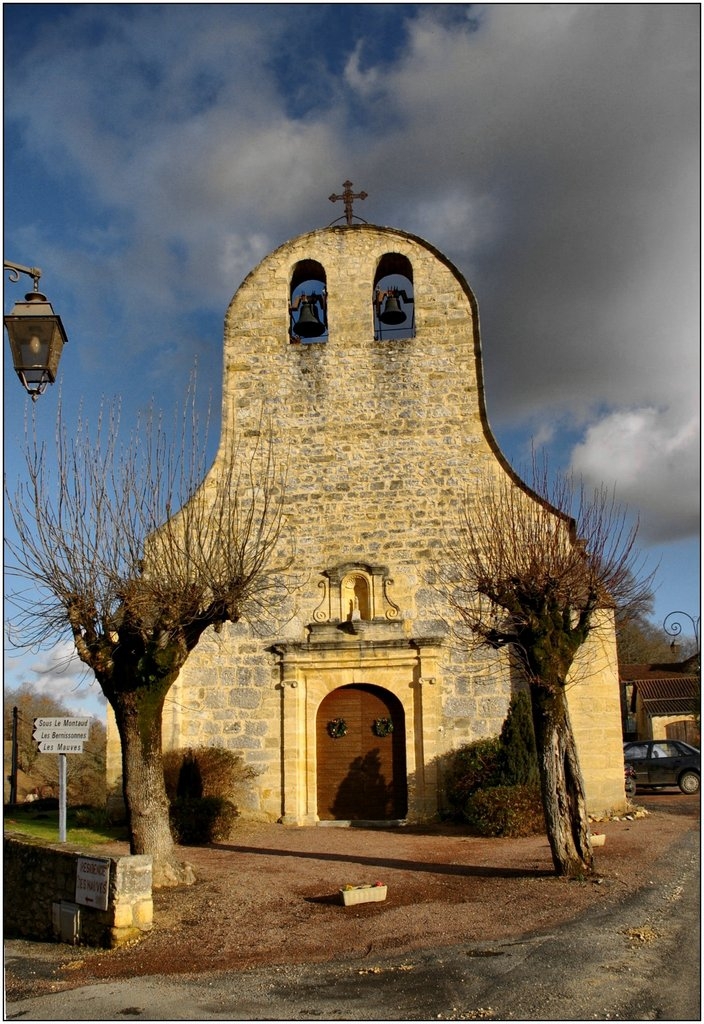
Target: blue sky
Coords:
[(155, 153)]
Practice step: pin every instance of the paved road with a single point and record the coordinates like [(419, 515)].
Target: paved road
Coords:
[(591, 969)]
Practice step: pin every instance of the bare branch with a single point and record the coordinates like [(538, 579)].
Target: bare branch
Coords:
[(110, 533), (514, 561)]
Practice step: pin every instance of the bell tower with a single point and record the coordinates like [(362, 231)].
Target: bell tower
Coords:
[(359, 345)]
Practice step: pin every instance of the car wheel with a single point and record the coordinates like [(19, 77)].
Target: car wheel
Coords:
[(689, 782), (630, 788)]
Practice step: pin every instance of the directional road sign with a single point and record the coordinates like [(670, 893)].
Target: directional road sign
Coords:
[(68, 724), (61, 735), (61, 747)]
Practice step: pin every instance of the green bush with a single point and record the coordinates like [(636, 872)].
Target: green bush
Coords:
[(203, 784), (472, 767), (505, 811), (492, 785), (518, 760), (90, 817), (197, 821)]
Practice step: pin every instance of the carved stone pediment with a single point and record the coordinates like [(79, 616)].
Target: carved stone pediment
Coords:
[(355, 593)]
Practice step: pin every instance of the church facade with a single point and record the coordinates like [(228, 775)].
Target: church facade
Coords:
[(359, 348)]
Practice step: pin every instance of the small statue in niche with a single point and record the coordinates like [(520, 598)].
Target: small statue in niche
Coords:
[(355, 598)]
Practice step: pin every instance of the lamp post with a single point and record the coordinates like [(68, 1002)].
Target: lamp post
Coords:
[(36, 334), (673, 627)]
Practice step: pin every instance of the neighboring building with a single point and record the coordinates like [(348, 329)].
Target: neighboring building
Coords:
[(662, 701), (360, 346)]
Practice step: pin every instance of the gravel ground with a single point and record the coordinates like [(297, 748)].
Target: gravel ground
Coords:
[(271, 897)]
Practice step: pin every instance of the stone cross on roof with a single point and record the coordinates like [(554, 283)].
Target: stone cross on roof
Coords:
[(348, 197)]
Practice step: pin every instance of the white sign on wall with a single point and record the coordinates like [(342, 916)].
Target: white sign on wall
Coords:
[(92, 882)]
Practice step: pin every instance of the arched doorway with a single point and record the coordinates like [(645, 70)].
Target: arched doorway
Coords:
[(361, 761)]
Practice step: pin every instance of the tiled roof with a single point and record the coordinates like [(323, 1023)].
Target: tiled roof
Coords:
[(641, 671), (675, 706), (678, 695), (669, 688)]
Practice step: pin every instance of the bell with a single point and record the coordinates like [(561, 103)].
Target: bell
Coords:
[(308, 324), (392, 312)]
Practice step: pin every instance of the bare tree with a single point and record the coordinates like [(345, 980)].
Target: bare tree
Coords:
[(135, 582), (641, 641), (524, 574)]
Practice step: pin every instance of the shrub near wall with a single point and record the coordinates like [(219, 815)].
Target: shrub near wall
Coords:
[(201, 820), (200, 783), (506, 811), (492, 785), (470, 768)]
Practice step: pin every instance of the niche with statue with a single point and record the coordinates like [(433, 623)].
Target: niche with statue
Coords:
[(354, 594)]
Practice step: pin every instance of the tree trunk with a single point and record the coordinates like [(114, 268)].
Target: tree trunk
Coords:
[(138, 717), (562, 787)]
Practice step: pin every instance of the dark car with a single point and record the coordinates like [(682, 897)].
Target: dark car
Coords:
[(664, 763)]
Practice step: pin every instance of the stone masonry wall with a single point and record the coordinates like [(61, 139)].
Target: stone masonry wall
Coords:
[(39, 878), (383, 439)]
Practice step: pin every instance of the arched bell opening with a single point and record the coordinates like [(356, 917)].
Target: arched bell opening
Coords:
[(308, 303), (394, 306), (361, 755)]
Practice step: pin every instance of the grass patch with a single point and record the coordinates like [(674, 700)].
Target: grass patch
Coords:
[(85, 826)]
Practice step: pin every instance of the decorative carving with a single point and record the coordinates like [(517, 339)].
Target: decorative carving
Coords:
[(393, 611), (355, 593), (322, 614)]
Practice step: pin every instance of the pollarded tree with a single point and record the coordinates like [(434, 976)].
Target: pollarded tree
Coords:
[(522, 573), (136, 583)]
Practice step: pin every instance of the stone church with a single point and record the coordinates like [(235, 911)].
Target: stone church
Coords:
[(361, 346)]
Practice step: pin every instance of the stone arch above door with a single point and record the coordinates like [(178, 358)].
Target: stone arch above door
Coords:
[(361, 755)]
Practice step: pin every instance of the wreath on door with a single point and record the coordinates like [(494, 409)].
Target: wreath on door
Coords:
[(383, 727), (337, 728)]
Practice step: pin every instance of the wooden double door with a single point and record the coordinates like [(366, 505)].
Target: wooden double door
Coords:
[(361, 774)]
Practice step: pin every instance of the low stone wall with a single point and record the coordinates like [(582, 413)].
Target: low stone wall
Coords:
[(41, 899)]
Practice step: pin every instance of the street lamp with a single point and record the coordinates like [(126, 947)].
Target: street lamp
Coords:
[(37, 336), (673, 627)]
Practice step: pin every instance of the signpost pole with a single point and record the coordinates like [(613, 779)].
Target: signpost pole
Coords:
[(62, 736), (62, 798)]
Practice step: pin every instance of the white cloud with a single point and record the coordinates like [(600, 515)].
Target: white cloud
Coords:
[(364, 82), (60, 674), (462, 220), (651, 458)]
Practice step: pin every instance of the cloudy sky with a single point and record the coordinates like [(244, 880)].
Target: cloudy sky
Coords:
[(155, 153)]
